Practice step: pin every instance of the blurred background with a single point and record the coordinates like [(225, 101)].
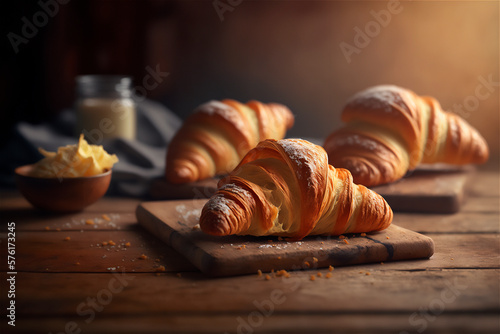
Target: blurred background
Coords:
[(309, 55)]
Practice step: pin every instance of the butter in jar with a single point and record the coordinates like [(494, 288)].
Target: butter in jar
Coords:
[(105, 108)]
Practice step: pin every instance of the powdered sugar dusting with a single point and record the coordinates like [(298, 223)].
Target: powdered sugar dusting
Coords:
[(187, 214), (381, 97), (282, 245), (235, 189), (219, 203), (227, 112), (356, 140), (301, 153), (454, 133)]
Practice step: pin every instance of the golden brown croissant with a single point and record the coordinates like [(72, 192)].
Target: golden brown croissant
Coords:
[(390, 130), (287, 188), (219, 133)]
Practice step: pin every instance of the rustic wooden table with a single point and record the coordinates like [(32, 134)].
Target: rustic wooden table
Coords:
[(98, 271)]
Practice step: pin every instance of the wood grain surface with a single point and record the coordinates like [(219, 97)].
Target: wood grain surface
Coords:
[(175, 223), (455, 291)]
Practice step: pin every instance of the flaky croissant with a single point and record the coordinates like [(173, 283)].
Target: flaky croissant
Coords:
[(219, 133), (390, 130), (287, 188)]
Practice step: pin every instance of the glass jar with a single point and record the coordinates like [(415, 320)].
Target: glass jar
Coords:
[(104, 107)]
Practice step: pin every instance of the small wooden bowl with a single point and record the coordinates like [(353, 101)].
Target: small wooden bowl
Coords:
[(61, 194)]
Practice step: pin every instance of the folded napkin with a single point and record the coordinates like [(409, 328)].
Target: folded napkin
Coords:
[(141, 160)]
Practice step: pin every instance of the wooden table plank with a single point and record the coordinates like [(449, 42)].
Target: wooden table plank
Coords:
[(483, 213), (454, 223), (35, 220), (484, 216), (484, 183), (348, 290), (481, 205), (85, 252), (432, 321), (49, 252)]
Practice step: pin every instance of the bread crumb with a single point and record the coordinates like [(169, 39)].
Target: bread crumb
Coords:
[(312, 278), (104, 243), (387, 237), (341, 236), (259, 273), (322, 242), (196, 227), (127, 244), (367, 273), (279, 258), (67, 239), (89, 222), (315, 260), (328, 275), (330, 268), (307, 264), (283, 273), (160, 269), (142, 257), (452, 259), (363, 234), (47, 228), (58, 229), (111, 243), (346, 242), (267, 277), (319, 274), (106, 217), (381, 262)]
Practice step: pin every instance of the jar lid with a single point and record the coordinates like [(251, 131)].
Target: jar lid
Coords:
[(103, 85)]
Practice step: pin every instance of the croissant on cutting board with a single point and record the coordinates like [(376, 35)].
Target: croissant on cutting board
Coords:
[(391, 130), (218, 134), (287, 188)]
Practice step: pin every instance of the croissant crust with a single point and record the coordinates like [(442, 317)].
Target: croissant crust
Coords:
[(391, 130), (286, 188), (218, 134)]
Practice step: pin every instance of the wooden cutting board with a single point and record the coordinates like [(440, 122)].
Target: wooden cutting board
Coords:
[(431, 191), (431, 188), (176, 223)]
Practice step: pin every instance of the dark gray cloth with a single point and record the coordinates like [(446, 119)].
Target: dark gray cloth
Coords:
[(140, 160)]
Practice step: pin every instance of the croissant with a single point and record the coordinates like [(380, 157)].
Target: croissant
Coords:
[(219, 133), (287, 188), (391, 130)]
